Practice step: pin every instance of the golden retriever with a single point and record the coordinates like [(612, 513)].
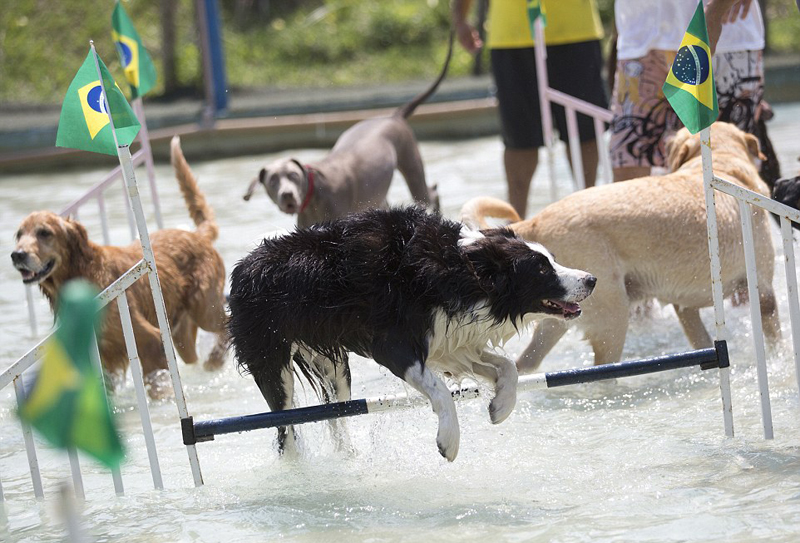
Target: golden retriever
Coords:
[(646, 238), (51, 250)]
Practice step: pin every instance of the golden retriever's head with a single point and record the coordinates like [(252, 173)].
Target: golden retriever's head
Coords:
[(47, 247), (684, 146)]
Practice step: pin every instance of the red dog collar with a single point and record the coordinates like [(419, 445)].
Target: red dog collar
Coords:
[(310, 190)]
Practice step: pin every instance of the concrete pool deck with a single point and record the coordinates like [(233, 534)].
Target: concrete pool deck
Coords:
[(270, 120), (259, 122)]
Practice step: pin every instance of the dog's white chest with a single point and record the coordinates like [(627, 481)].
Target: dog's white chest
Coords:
[(455, 345)]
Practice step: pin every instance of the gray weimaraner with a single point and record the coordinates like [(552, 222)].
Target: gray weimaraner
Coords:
[(356, 174)]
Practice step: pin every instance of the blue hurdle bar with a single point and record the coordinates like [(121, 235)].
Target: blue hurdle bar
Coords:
[(194, 432)]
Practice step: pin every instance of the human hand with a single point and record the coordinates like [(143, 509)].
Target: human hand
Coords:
[(468, 37), (738, 10), (720, 12)]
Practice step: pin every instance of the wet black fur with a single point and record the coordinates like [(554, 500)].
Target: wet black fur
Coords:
[(787, 191), (370, 283)]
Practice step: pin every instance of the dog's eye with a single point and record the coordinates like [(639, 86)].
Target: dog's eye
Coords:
[(43, 233), (273, 181), (293, 176)]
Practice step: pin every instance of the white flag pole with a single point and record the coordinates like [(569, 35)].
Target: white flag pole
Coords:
[(124, 154), (713, 252), (716, 275), (544, 103)]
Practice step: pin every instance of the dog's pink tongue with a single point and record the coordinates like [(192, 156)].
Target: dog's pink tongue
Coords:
[(571, 309), (26, 274)]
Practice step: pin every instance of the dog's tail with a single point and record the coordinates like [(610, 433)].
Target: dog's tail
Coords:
[(406, 110), (199, 210), (475, 211)]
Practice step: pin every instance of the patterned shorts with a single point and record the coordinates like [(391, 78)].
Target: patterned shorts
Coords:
[(643, 117)]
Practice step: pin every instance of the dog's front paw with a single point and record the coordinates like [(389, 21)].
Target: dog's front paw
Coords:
[(448, 440), (502, 405)]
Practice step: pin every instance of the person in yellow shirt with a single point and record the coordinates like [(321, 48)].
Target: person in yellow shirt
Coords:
[(574, 62)]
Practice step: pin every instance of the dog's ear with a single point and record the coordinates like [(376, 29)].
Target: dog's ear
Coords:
[(252, 187), (753, 147), (302, 168), (77, 240), (679, 149)]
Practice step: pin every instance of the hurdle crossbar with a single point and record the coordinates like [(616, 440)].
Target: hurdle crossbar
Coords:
[(194, 432)]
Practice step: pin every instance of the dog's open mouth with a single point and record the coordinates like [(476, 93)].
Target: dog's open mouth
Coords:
[(29, 276), (568, 310)]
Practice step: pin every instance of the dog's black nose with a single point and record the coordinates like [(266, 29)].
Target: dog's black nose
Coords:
[(591, 281), (17, 257)]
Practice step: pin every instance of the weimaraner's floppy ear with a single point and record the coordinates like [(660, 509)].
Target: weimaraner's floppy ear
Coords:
[(302, 168), (252, 187)]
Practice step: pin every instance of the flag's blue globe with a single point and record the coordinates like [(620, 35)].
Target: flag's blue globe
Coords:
[(125, 53), (685, 67), (95, 99)]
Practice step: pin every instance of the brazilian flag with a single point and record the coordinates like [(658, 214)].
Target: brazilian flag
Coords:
[(67, 403), (84, 120), (689, 87), (138, 66), (535, 10)]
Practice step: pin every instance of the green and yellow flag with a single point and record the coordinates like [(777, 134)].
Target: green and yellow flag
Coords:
[(689, 87), (84, 120), (67, 403), (138, 66), (535, 10)]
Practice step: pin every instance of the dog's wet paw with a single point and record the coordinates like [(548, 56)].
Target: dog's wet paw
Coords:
[(215, 361), (501, 407), (159, 385), (448, 440)]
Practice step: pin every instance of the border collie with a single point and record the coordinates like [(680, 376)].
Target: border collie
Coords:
[(415, 292)]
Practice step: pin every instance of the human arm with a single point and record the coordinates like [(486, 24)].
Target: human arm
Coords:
[(467, 34), (720, 12)]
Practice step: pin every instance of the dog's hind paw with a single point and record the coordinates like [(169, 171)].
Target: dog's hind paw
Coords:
[(218, 355), (158, 385)]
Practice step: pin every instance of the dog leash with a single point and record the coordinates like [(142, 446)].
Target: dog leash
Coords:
[(310, 191)]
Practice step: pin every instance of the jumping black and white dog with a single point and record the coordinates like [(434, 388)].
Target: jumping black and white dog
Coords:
[(416, 292)]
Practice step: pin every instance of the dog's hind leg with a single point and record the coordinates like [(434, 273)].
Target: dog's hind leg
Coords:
[(208, 312), (769, 314), (216, 358), (400, 357), (275, 380), (505, 376), (336, 383), (410, 165), (546, 334), (693, 327)]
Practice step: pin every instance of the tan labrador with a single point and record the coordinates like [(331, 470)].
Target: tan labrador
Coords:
[(646, 238), (358, 171)]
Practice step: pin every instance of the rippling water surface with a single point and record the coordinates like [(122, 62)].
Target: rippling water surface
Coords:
[(638, 459)]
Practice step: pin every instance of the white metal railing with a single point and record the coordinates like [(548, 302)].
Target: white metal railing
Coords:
[(747, 200), (572, 106), (14, 375), (16, 372), (97, 193)]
